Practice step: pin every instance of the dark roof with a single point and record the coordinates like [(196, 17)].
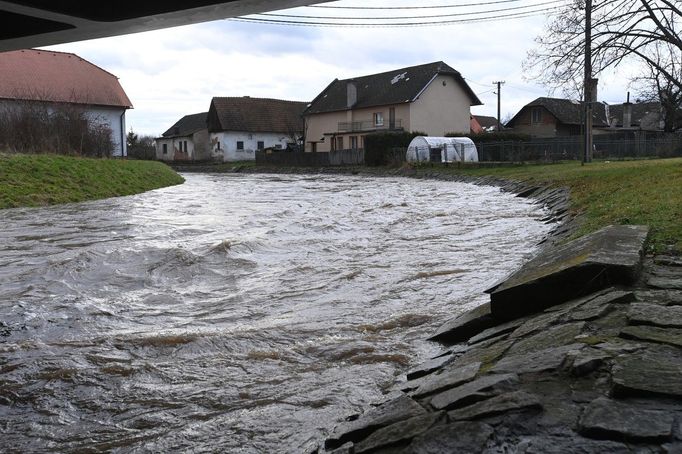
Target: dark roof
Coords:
[(255, 115), (567, 111), (40, 75), (393, 87), (187, 125), (639, 111)]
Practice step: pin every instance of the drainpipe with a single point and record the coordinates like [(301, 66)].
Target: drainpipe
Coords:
[(123, 135)]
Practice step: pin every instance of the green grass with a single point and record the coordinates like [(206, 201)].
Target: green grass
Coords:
[(617, 192), (39, 180)]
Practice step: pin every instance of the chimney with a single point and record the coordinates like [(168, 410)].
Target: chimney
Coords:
[(351, 94), (627, 113)]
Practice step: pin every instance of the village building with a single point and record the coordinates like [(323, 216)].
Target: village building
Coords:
[(55, 80), (555, 117), (433, 99), (187, 140), (239, 126)]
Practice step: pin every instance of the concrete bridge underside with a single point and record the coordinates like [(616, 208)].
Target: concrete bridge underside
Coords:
[(34, 23)]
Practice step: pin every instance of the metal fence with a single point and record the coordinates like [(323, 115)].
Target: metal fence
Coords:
[(317, 159), (572, 148)]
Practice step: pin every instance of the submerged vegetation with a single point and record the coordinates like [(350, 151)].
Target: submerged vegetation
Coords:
[(39, 180)]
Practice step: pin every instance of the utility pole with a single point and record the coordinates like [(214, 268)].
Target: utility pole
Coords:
[(499, 94), (587, 87)]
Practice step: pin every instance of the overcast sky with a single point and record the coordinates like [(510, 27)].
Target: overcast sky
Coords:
[(174, 72)]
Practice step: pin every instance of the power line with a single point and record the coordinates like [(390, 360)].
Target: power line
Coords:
[(518, 15), (386, 8), (436, 16)]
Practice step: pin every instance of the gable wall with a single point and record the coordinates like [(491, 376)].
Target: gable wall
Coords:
[(441, 109), (547, 127)]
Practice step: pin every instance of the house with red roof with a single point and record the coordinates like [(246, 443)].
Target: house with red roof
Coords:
[(55, 79), (239, 126)]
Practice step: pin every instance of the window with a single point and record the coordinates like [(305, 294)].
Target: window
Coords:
[(185, 146), (240, 145), (261, 145), (536, 115), (339, 143), (165, 148), (353, 142), (379, 119)]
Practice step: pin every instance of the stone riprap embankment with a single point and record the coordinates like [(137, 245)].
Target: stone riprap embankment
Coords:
[(580, 351)]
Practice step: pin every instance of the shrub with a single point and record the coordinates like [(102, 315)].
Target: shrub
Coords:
[(31, 127), (492, 136), (387, 148)]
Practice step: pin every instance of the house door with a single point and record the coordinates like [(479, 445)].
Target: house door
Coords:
[(391, 118)]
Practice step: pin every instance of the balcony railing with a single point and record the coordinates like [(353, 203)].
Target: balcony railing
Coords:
[(359, 126)]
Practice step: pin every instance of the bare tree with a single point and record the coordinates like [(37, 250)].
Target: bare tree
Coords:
[(653, 85), (622, 30)]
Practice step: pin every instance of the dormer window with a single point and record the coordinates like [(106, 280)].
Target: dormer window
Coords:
[(379, 119)]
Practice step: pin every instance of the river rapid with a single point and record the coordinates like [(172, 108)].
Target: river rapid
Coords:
[(236, 313)]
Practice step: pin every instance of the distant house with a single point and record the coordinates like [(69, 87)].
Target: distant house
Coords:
[(555, 117), (52, 79), (431, 98), (643, 116), (240, 126), (186, 140), (487, 124)]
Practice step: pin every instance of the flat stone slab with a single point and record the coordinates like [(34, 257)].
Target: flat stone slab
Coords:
[(429, 366), (503, 403), (570, 445), (556, 336), (458, 437), (655, 314), (465, 326), (484, 387), (400, 432), (605, 418), (610, 256), (668, 336), (664, 282), (538, 361), (647, 374), (387, 413), (496, 331), (448, 378)]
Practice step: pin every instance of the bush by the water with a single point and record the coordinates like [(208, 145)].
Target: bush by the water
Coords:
[(387, 148), (60, 129)]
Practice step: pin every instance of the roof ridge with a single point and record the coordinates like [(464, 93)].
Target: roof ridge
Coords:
[(255, 97), (74, 55), (395, 70)]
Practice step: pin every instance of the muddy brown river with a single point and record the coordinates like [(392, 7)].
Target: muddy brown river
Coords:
[(236, 313)]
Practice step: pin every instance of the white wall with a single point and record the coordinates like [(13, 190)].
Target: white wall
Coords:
[(228, 144), (114, 118)]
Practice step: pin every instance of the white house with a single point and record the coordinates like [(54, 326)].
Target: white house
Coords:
[(239, 126), (52, 79), (186, 140)]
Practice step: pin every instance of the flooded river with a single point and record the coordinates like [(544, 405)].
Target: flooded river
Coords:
[(235, 313)]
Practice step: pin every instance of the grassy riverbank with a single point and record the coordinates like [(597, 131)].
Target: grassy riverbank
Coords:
[(39, 180), (617, 192)]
